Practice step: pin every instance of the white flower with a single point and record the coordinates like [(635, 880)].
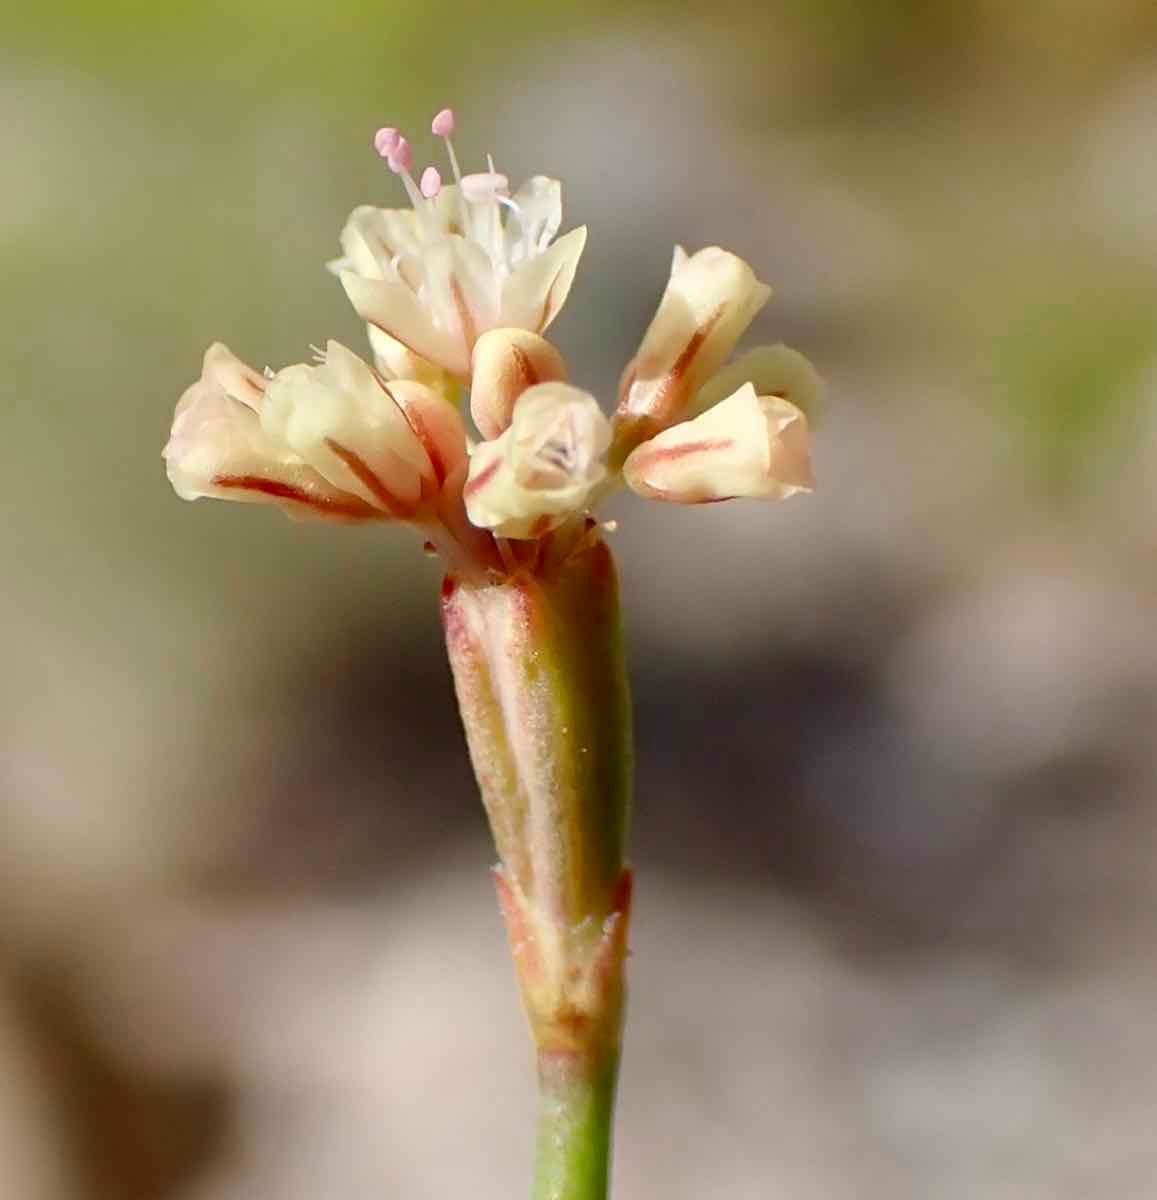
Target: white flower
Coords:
[(464, 259), (331, 439), (746, 445), (711, 298), (544, 469)]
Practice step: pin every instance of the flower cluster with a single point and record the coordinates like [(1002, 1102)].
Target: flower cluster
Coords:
[(458, 290)]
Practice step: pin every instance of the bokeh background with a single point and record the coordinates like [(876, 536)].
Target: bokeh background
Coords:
[(896, 794)]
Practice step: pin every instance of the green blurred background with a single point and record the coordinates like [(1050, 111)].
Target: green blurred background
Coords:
[(896, 816)]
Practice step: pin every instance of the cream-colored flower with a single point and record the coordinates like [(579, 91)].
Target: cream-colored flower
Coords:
[(747, 445), (218, 448), (506, 363), (711, 298), (464, 259), (330, 439), (544, 469)]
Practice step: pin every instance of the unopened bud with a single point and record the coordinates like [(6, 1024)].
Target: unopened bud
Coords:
[(544, 469), (507, 362), (747, 445), (709, 302)]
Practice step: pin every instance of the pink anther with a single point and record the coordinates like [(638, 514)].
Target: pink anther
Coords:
[(385, 140), (443, 124), (431, 183), (400, 157)]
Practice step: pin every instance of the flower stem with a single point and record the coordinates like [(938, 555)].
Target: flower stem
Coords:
[(577, 1103), (539, 670)]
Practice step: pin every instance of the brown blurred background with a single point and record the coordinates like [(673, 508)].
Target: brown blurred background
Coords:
[(896, 812)]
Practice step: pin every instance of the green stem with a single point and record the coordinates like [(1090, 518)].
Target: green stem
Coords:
[(577, 1103)]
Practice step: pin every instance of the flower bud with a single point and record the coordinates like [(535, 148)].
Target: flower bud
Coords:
[(506, 363), (747, 445), (543, 469), (218, 448), (332, 438), (709, 302)]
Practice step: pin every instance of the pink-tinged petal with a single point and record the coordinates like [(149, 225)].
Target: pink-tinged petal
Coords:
[(746, 446), (340, 419), (507, 362), (222, 368), (395, 310), (394, 361), (302, 497), (437, 426), (375, 241), (460, 290), (535, 293), (486, 461), (773, 371), (711, 298)]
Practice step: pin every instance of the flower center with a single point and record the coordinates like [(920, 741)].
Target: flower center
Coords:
[(556, 455), (471, 208)]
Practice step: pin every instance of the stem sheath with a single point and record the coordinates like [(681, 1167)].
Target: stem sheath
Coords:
[(539, 670)]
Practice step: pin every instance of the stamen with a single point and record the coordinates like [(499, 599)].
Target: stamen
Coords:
[(400, 160), (431, 183), (524, 249), (481, 220), (443, 126), (559, 446), (401, 155), (506, 553), (385, 140)]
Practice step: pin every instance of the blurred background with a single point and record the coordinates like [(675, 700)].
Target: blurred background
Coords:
[(896, 815)]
